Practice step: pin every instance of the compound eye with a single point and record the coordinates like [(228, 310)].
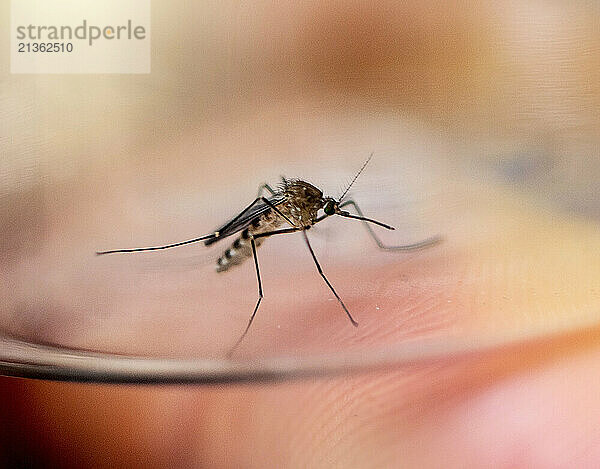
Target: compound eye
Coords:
[(329, 208)]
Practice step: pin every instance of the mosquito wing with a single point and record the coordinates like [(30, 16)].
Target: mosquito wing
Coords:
[(245, 218)]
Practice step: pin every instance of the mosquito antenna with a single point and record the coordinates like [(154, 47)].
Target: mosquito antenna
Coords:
[(166, 246), (356, 177)]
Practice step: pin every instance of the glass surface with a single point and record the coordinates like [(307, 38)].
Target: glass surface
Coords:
[(102, 162), (168, 316)]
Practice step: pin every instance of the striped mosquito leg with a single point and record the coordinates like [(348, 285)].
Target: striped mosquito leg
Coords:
[(260, 297), (155, 248), (312, 253)]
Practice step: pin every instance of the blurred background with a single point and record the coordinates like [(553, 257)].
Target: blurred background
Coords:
[(483, 120)]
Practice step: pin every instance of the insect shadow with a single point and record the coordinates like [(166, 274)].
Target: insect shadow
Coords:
[(296, 204)]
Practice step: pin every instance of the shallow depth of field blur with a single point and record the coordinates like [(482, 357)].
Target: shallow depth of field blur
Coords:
[(484, 123), (469, 113)]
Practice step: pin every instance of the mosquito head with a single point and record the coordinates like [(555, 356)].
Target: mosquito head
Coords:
[(330, 206)]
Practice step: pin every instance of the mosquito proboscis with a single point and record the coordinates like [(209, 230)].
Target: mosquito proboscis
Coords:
[(294, 203)]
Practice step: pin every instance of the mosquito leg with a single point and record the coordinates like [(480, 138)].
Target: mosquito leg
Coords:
[(312, 253), (406, 247), (260, 292), (209, 238), (271, 233), (166, 246), (264, 187), (260, 297)]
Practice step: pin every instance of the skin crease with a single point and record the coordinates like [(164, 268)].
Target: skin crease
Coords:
[(514, 264)]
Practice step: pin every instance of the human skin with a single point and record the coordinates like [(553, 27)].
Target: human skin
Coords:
[(516, 264)]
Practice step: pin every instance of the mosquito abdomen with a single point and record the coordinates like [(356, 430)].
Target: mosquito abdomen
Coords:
[(241, 248), (238, 252)]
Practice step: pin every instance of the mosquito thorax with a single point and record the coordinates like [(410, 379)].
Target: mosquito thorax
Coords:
[(303, 201)]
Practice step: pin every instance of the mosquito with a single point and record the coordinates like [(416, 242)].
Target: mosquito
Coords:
[(295, 204)]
